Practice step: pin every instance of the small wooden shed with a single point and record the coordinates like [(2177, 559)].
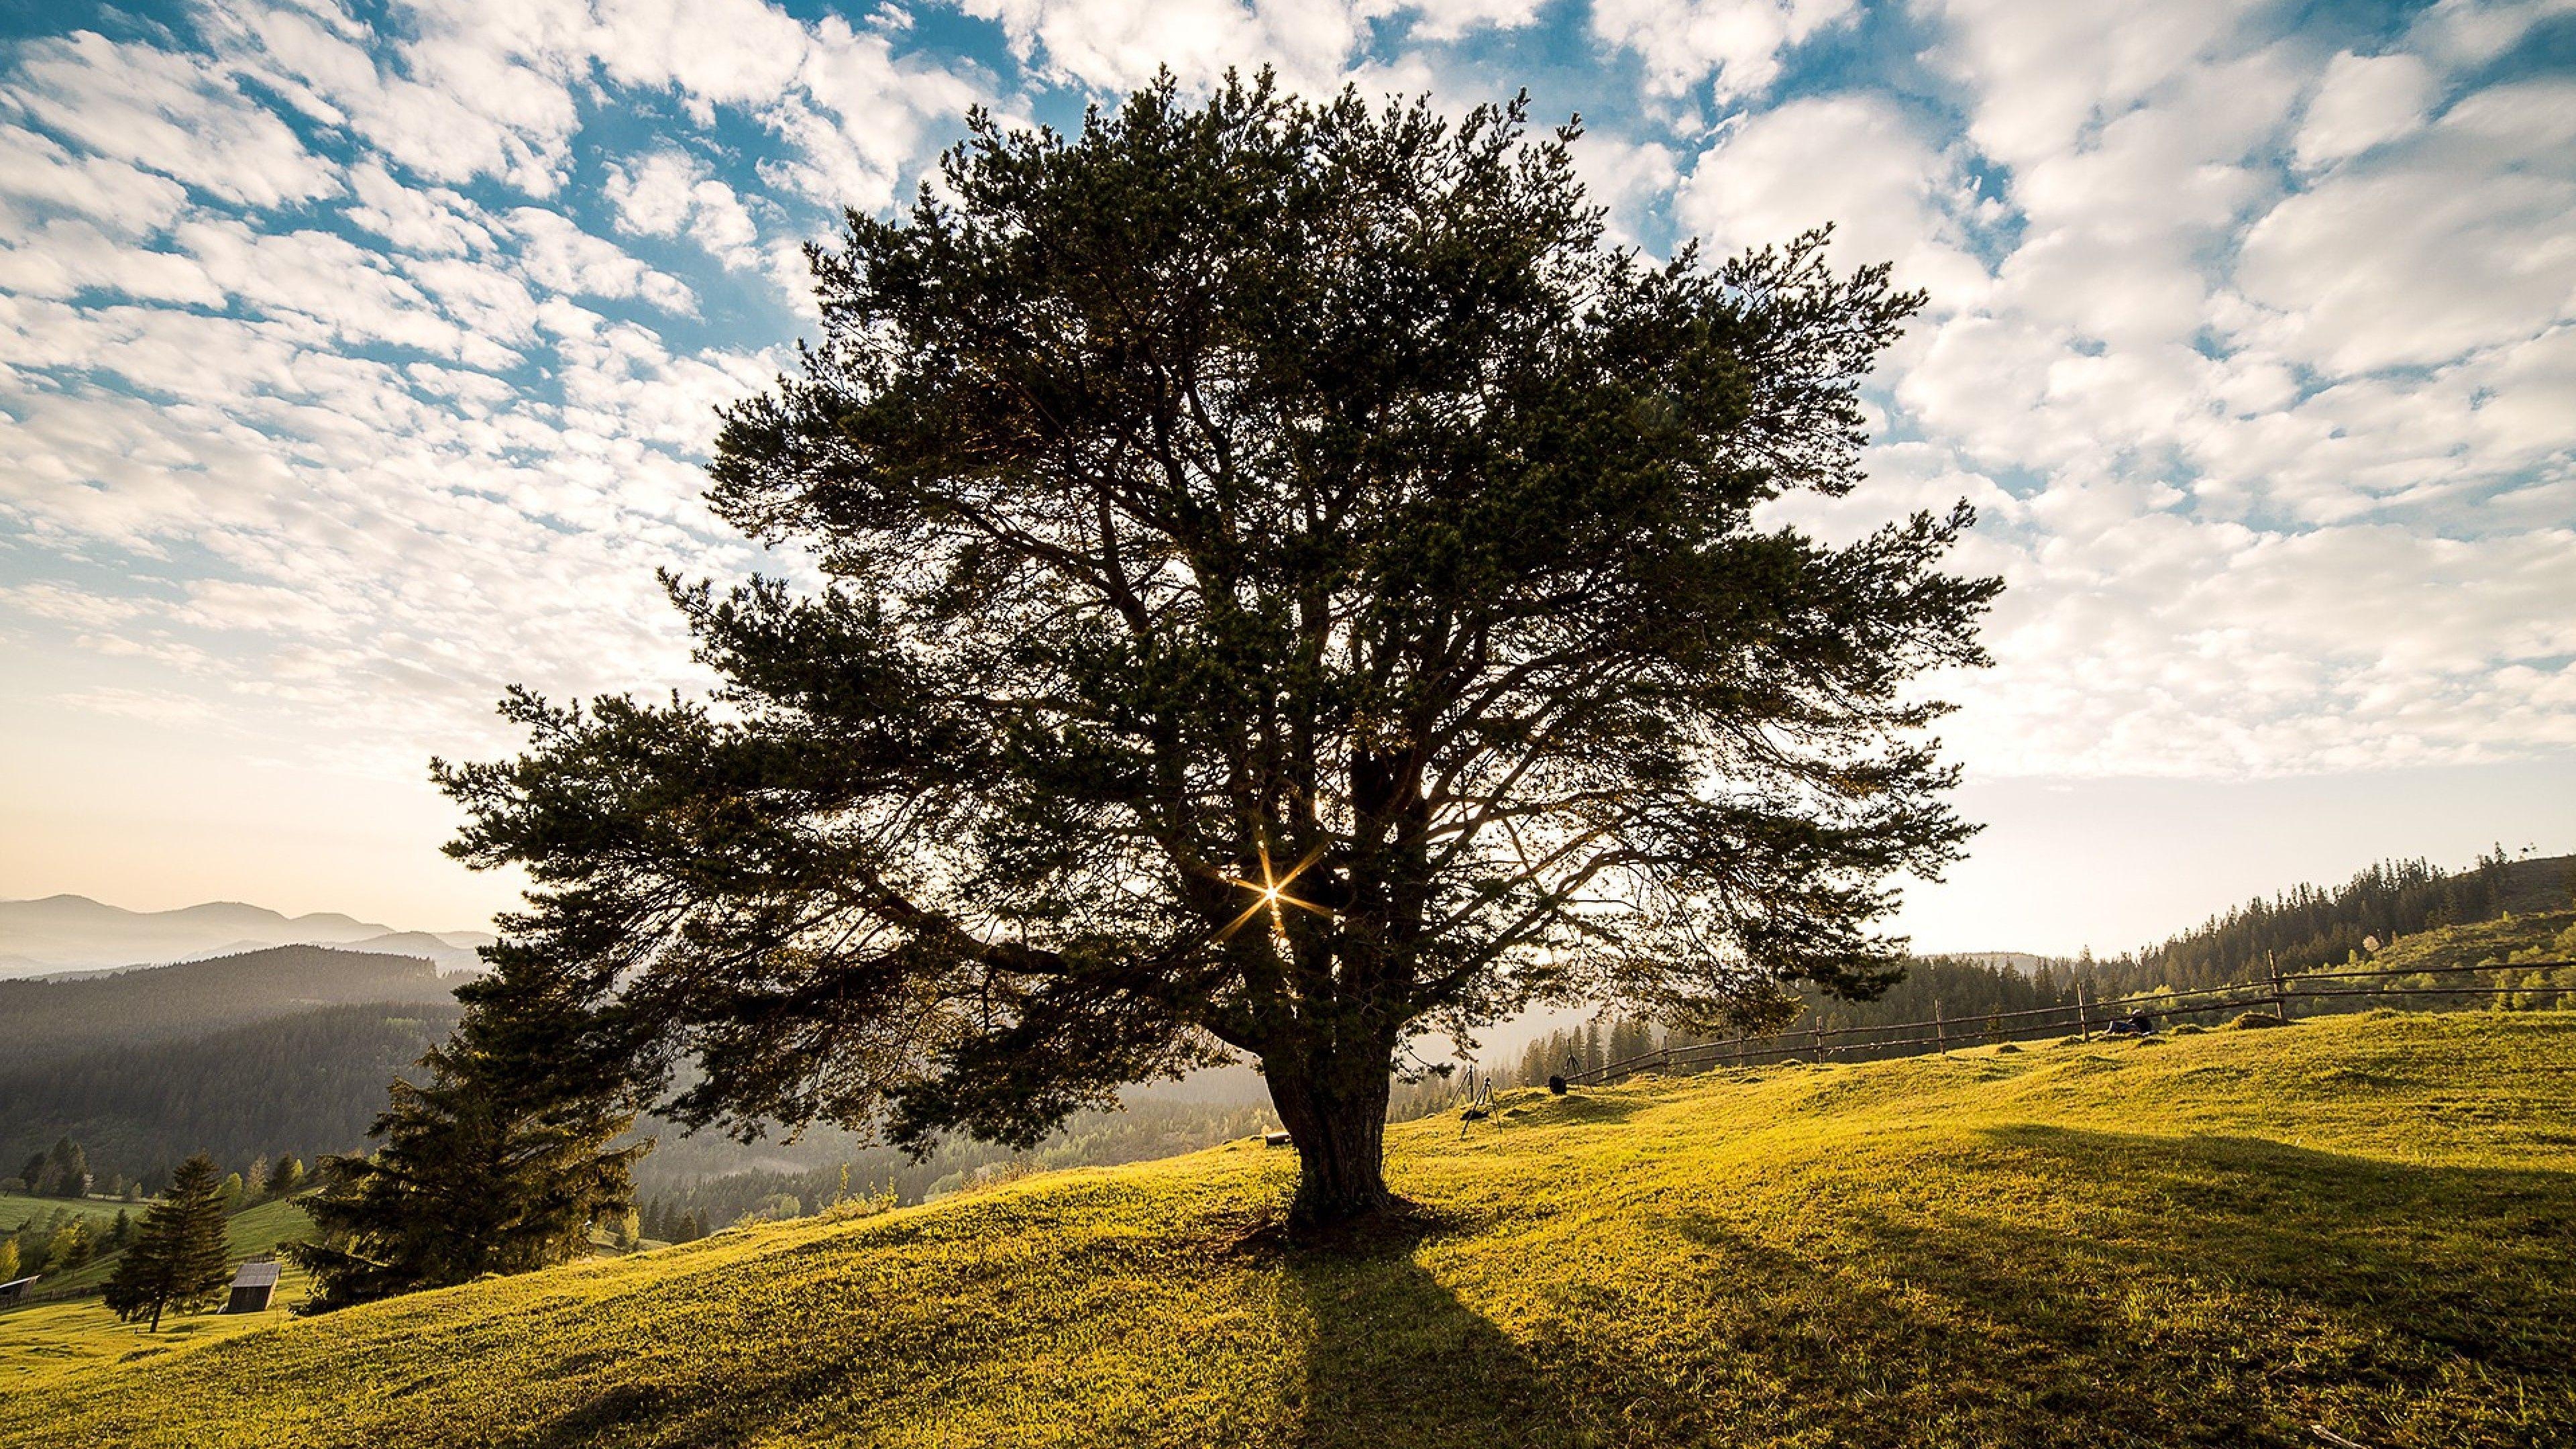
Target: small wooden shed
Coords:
[(253, 1286), (16, 1288)]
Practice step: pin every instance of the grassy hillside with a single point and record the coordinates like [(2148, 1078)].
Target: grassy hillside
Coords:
[(250, 1233), (42, 1342), (2365, 1222), (99, 1213)]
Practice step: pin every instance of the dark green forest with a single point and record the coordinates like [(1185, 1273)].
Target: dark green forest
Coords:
[(302, 1084), (69, 1016)]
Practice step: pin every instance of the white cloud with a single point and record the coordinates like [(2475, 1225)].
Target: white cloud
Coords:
[(2455, 241), (2255, 359), (1737, 44), (1854, 161), (564, 258), (2364, 101), (39, 177), (668, 193), (164, 113)]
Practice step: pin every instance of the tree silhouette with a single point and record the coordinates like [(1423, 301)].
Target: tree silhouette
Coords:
[(499, 1162), (178, 1256), (1290, 583)]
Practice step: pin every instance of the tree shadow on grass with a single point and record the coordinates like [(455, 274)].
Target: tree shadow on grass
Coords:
[(2034, 1286), (1391, 1356), (2211, 1290)]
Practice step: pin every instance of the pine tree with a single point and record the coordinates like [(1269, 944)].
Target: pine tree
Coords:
[(123, 1233), (1321, 592), (66, 1170), (499, 1162), (178, 1257), (8, 1258), (284, 1176)]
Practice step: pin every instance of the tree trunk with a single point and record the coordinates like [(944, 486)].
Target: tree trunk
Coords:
[(1335, 1113)]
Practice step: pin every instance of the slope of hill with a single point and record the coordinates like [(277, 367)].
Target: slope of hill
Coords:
[(44, 1020), (2362, 1223), (2310, 925), (305, 1083)]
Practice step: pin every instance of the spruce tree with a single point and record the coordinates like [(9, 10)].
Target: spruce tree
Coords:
[(499, 1161), (178, 1257), (65, 1168)]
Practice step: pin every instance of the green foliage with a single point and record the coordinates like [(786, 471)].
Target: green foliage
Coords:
[(1292, 583), (141, 1101), (178, 1258), (501, 1162), (2363, 1224), (284, 1176), (71, 1247)]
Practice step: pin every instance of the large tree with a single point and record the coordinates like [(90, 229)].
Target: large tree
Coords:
[(1287, 582), (178, 1259)]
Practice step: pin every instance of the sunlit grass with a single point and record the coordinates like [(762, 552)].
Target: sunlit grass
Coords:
[(2365, 1223)]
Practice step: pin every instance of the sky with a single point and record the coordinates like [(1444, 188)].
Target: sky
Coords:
[(357, 361)]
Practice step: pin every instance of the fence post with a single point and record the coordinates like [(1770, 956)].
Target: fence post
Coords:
[(2083, 1019), (1819, 1028), (1940, 1032), (2280, 995)]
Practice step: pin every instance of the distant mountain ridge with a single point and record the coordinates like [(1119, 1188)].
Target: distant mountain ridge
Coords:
[(62, 933)]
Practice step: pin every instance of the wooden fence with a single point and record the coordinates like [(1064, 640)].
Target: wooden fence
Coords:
[(2083, 1017)]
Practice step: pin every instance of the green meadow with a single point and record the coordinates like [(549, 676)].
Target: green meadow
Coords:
[(100, 1213), (2364, 1223), (42, 1341)]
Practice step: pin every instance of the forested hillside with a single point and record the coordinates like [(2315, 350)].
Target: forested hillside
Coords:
[(52, 1020), (289, 1050), (305, 1084), (2310, 926)]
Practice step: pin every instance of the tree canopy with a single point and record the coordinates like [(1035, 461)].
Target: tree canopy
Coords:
[(1288, 582)]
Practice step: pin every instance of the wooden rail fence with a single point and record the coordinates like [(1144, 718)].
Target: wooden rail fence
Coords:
[(2083, 1017)]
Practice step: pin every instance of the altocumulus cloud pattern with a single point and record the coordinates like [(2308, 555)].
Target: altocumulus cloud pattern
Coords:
[(357, 359)]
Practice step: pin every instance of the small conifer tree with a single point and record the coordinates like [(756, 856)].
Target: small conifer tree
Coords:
[(499, 1162), (178, 1257)]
